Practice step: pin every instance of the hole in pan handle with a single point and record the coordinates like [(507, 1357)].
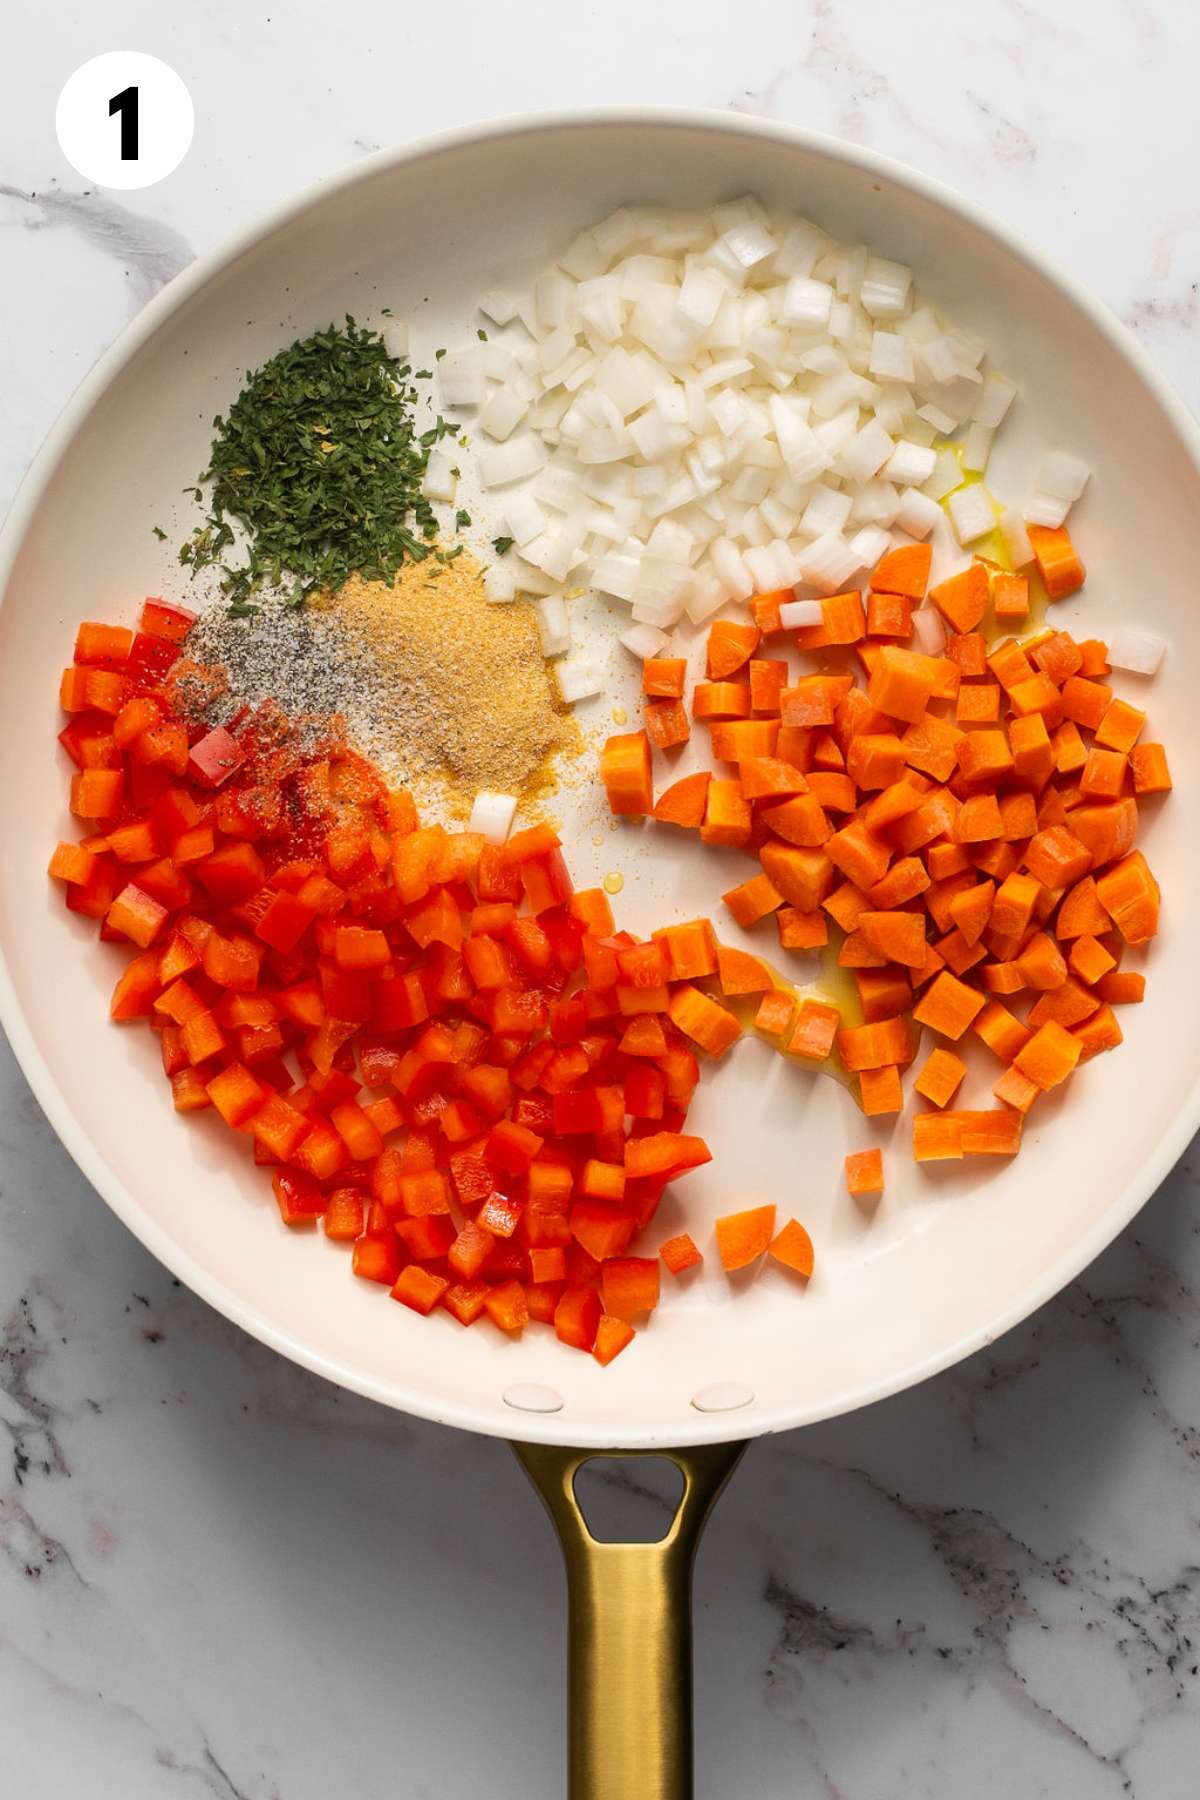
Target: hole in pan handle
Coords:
[(629, 1629)]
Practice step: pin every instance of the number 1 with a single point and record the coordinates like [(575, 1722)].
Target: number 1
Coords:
[(126, 103)]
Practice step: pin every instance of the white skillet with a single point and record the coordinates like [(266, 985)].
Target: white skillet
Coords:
[(947, 1261)]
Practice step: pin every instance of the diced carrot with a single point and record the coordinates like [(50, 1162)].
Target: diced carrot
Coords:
[(1049, 1056), (1001, 1031), (701, 1019), (874, 1046), (941, 1077), (663, 677), (727, 818), (963, 598), (680, 1253), (740, 973), (1010, 597), (864, 1172), (814, 699), (793, 1247), (889, 615), (770, 778), (903, 682), (1121, 726), (1016, 1090), (948, 1007), (843, 621), (1056, 858), (898, 936), (1148, 765), (775, 1012), (801, 930), (721, 700), (744, 1236), (625, 772), (880, 1091), (1130, 895), (753, 900), (684, 802), (802, 820), (1057, 563), (904, 570), (815, 1031), (978, 703), (801, 875), (667, 724), (730, 644), (741, 740)]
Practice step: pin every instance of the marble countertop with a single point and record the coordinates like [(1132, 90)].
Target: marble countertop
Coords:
[(219, 1577)]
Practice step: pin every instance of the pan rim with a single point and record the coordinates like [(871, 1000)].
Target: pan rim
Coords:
[(398, 1394)]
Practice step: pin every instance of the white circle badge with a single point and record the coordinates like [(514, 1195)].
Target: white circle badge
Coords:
[(124, 119)]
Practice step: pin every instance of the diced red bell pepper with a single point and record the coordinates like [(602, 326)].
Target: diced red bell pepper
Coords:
[(577, 1316), (214, 758)]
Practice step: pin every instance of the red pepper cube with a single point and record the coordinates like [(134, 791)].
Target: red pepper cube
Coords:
[(577, 1316), (465, 1300), (506, 1306), (423, 1192), (236, 1095), (500, 1215), (428, 1239), (377, 1258), (419, 1289), (279, 1128), (214, 758), (160, 619), (356, 1131), (511, 1148), (136, 915), (301, 1201)]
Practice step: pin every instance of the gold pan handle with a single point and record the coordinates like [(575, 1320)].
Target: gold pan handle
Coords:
[(630, 1629)]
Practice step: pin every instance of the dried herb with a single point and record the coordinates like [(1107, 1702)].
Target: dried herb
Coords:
[(320, 464), (502, 544), (159, 533)]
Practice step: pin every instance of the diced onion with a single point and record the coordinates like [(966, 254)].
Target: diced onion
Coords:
[(1137, 651), (971, 513), (553, 626), (799, 614), (691, 407), (578, 681), (492, 815)]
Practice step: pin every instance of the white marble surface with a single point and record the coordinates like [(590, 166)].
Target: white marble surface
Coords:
[(218, 1577)]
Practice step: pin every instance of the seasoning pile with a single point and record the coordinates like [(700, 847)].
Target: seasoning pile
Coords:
[(443, 691)]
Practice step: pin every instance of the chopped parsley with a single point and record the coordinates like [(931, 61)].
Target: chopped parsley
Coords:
[(502, 544), (319, 463)]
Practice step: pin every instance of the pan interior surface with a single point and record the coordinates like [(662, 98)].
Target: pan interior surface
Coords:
[(947, 1258)]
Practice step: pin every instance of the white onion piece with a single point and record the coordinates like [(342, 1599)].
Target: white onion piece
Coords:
[(929, 631), (524, 519), (513, 461), (917, 514), (799, 614), (553, 626), (492, 815), (706, 404), (461, 378), (499, 583), (1137, 651), (971, 513), (578, 681), (1016, 538), (644, 640), (440, 482), (395, 338), (977, 447), (996, 395), (499, 305), (910, 464)]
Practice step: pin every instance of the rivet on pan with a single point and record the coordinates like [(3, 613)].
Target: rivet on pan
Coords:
[(722, 1396), (530, 1396)]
